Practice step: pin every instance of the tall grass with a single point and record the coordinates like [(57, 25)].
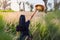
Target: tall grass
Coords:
[(2, 24), (3, 34), (48, 31)]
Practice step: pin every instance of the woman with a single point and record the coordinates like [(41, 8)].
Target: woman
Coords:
[(23, 27)]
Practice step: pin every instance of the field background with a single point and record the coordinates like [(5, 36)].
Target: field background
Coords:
[(43, 26)]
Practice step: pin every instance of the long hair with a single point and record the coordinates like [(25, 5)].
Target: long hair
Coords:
[(22, 20)]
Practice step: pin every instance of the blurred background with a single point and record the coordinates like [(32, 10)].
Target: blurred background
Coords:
[(44, 25), (27, 5)]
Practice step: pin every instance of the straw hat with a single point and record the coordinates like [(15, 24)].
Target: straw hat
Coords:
[(39, 7)]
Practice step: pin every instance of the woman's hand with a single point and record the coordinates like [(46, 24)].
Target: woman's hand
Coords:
[(17, 33)]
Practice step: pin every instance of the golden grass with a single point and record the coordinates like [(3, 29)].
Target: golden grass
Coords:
[(13, 17)]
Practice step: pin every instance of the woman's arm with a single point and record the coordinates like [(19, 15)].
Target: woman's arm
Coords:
[(33, 15)]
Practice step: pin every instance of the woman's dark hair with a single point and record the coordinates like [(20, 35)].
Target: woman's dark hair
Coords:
[(22, 20)]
